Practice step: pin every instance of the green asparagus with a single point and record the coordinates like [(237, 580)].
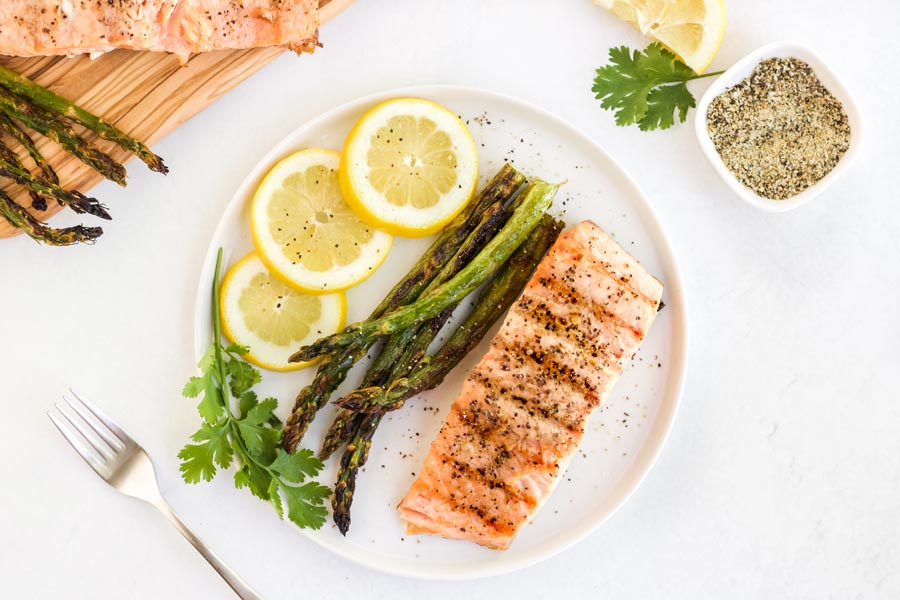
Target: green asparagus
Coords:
[(523, 221), (71, 198), (53, 103), (37, 200), (49, 126), (13, 129), (39, 231)]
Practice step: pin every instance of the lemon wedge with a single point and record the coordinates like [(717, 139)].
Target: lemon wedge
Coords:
[(273, 319), (409, 166), (692, 29), (304, 230)]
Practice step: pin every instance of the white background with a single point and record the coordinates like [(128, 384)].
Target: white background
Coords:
[(782, 475)]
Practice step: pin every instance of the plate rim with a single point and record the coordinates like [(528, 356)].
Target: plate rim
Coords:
[(649, 451)]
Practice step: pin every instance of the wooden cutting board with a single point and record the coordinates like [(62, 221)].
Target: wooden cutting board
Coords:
[(146, 94)]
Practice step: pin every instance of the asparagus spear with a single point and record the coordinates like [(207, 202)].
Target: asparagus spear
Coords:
[(493, 302), (397, 348), (73, 199), (334, 371), (23, 138), (345, 424), (48, 125), (37, 201), (522, 222), (24, 220), (13, 129), (49, 101)]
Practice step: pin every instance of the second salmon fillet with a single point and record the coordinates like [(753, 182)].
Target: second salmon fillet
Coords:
[(523, 409), (183, 27)]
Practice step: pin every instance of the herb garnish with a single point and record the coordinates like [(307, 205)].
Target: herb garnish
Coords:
[(645, 88), (252, 434)]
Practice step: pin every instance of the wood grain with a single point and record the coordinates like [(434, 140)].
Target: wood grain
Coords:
[(145, 94)]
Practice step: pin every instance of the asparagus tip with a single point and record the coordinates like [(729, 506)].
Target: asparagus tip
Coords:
[(98, 210), (85, 235), (156, 164), (343, 523)]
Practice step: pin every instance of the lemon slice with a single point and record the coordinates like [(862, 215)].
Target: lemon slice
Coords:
[(409, 166), (692, 29), (274, 320), (305, 231)]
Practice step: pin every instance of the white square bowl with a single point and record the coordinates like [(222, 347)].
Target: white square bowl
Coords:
[(740, 71)]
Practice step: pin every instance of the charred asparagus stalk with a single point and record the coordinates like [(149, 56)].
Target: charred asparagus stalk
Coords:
[(48, 125), (53, 103), (343, 427), (73, 199), (333, 372), (24, 220), (10, 127), (522, 222), (492, 303), (17, 133), (37, 201)]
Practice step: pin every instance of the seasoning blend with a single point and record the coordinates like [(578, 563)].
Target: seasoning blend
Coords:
[(779, 131)]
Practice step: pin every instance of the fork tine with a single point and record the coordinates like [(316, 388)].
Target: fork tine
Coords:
[(88, 433), (80, 447), (123, 437), (83, 411)]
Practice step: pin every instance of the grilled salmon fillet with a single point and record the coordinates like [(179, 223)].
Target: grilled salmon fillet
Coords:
[(523, 409), (183, 27)]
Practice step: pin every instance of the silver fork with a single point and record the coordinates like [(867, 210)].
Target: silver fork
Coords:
[(123, 464)]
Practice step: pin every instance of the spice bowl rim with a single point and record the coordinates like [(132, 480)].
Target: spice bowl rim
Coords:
[(740, 71)]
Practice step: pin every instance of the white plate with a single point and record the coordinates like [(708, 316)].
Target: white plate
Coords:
[(623, 438)]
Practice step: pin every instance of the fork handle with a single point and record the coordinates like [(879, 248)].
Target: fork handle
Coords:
[(240, 587)]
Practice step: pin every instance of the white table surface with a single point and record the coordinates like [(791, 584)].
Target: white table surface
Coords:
[(782, 475)]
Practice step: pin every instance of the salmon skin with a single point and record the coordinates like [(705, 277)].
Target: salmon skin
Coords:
[(522, 410), (182, 27)]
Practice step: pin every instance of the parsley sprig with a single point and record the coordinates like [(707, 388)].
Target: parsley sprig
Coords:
[(249, 433), (646, 88)]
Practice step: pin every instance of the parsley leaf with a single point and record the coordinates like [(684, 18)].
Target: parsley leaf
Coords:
[(662, 65), (255, 477), (620, 86), (199, 461), (233, 348), (261, 440), (305, 503), (645, 88), (243, 376), (297, 466), (661, 102), (247, 401), (251, 438), (275, 498)]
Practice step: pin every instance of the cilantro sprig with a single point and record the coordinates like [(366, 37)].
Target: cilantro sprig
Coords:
[(646, 88), (238, 427)]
